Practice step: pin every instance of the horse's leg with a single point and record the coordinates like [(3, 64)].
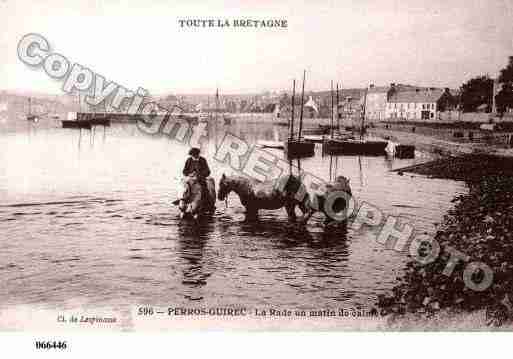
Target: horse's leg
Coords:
[(307, 211), (291, 211), (182, 206), (328, 220), (194, 209), (307, 215)]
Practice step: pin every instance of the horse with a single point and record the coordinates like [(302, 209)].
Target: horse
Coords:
[(194, 200), (256, 195), (316, 202)]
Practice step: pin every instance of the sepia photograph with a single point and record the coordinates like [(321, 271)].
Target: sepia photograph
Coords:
[(234, 165)]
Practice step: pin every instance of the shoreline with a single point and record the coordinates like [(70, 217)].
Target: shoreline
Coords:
[(479, 226)]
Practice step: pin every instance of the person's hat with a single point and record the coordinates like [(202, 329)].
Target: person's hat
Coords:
[(194, 151)]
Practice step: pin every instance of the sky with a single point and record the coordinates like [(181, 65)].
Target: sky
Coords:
[(355, 43)]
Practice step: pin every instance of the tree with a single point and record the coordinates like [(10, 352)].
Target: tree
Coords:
[(285, 100), (506, 75), (476, 92), (504, 99)]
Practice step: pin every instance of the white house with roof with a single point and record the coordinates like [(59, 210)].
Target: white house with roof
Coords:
[(376, 101), (377, 98), (418, 104)]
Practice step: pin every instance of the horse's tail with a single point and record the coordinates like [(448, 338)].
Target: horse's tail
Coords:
[(211, 187)]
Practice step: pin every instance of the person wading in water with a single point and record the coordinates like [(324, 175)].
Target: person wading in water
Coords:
[(197, 165)]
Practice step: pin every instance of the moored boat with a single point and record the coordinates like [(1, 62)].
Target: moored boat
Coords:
[(98, 121), (270, 144), (314, 138), (76, 124), (355, 147), (299, 148)]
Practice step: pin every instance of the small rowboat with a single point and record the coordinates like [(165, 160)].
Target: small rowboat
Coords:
[(271, 144)]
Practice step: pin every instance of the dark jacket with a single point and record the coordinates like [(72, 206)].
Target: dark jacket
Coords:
[(200, 166)]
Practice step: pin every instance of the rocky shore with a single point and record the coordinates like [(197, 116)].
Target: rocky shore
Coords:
[(481, 226)]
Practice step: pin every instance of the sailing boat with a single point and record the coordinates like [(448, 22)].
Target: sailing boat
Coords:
[(99, 119), (227, 118), (298, 147), (359, 146), (54, 115), (73, 120), (203, 116), (30, 116)]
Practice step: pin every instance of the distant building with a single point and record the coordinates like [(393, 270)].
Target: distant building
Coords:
[(272, 108), (376, 103), (350, 108), (418, 104), (311, 108)]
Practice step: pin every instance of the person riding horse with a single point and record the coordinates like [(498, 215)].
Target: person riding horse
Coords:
[(197, 166)]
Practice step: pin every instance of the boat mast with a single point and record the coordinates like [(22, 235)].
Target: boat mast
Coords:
[(331, 126), (217, 109), (338, 115), (302, 105), (363, 114), (291, 135)]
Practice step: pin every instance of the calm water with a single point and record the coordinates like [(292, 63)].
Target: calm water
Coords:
[(87, 217)]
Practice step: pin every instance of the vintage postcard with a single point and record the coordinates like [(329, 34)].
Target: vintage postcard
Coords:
[(256, 165)]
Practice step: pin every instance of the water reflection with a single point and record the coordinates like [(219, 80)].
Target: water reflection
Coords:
[(220, 260), (192, 239)]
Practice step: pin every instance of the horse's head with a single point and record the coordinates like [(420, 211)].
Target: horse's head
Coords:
[(224, 188), (191, 195)]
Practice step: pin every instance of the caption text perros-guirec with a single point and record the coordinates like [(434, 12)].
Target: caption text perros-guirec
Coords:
[(261, 312)]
